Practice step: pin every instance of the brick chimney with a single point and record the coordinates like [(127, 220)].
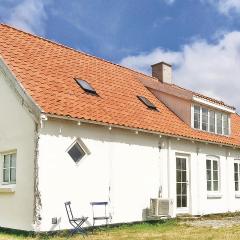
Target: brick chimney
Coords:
[(163, 72)]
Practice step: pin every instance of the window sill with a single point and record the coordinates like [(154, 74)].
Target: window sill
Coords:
[(237, 195), (214, 195), (7, 189)]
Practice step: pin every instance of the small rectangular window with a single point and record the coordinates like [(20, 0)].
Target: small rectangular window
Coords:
[(197, 117), (212, 169), (85, 86), (219, 122), (9, 168), (147, 102), (204, 119)]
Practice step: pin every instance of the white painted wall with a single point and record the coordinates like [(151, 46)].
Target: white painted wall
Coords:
[(126, 162), (132, 165), (16, 133)]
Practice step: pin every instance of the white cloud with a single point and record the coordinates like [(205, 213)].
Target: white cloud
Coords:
[(226, 6), (29, 15), (169, 1), (212, 69)]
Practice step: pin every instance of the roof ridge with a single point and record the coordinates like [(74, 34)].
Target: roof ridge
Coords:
[(75, 50), (203, 95)]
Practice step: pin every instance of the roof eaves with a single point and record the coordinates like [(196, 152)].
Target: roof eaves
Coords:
[(48, 115), (18, 87)]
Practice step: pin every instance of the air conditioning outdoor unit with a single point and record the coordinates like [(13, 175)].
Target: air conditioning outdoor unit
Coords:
[(160, 207)]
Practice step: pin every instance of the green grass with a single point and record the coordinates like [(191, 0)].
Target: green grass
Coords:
[(170, 230)]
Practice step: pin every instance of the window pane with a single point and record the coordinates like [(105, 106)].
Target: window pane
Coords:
[(215, 165), (196, 117), (184, 188), (215, 175), (184, 201), (184, 176), (215, 185), (225, 125), (212, 121), (204, 119), (13, 175), (179, 188), (236, 177), (184, 167), (219, 122), (179, 204), (236, 186), (178, 176), (209, 175), (209, 185), (178, 163), (209, 164), (13, 160), (6, 161), (6, 175), (235, 167)]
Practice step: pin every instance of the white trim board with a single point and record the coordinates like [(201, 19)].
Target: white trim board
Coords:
[(213, 105)]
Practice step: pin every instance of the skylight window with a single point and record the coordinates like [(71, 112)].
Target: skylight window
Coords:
[(85, 86), (147, 102)]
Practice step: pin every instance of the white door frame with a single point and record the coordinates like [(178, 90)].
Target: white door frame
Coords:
[(183, 210)]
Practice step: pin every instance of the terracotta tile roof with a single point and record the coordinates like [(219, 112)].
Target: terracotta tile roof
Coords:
[(46, 70), (155, 84)]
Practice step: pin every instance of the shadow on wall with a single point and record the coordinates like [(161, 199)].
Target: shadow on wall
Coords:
[(67, 128)]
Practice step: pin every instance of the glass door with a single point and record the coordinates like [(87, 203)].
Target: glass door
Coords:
[(182, 183)]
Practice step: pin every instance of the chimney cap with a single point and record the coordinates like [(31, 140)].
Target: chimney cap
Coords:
[(161, 63)]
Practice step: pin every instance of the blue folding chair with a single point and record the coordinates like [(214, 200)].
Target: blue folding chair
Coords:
[(75, 222)]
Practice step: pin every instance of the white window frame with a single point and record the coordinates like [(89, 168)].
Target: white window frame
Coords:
[(208, 127), (83, 147), (9, 182), (212, 159)]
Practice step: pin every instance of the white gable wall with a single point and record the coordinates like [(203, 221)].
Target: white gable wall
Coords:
[(131, 165), (17, 134), (119, 159)]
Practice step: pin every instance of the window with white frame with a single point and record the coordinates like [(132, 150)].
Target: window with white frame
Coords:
[(210, 120), (236, 174), (212, 167), (9, 168), (78, 150)]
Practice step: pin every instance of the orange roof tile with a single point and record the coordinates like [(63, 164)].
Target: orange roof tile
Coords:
[(46, 70)]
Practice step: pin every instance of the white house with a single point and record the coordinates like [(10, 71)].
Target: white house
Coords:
[(77, 128)]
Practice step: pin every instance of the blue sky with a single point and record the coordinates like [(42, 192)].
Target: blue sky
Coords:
[(201, 38)]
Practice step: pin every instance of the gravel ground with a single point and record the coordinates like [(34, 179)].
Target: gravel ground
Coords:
[(214, 223)]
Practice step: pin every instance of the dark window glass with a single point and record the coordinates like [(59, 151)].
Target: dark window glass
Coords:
[(236, 175), (76, 152), (219, 123), (147, 102), (212, 121), (86, 86), (184, 201), (197, 117), (204, 119), (209, 164), (225, 125)]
